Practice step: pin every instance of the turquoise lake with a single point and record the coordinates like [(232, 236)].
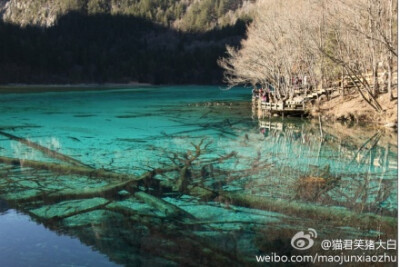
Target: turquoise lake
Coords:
[(183, 176)]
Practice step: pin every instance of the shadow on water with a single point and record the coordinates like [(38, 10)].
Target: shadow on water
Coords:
[(3, 206), (229, 190)]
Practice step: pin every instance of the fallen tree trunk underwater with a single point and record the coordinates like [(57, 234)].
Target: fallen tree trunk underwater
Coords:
[(336, 216), (45, 150), (186, 175)]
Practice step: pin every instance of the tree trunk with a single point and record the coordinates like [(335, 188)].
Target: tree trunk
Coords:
[(389, 77), (342, 83), (390, 54)]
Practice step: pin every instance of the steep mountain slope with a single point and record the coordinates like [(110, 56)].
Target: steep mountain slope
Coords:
[(196, 15), (118, 41)]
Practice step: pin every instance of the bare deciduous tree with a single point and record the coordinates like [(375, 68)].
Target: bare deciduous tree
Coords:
[(327, 41)]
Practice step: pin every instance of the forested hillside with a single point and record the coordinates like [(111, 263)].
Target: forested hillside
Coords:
[(189, 15), (153, 41)]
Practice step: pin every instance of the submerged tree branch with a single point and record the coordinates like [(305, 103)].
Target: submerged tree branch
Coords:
[(45, 150)]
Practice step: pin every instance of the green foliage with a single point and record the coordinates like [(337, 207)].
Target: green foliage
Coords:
[(164, 12), (98, 6), (68, 5), (189, 14), (204, 15)]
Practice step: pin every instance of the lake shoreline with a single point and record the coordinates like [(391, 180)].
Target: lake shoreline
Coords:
[(22, 88), (352, 108), (42, 88)]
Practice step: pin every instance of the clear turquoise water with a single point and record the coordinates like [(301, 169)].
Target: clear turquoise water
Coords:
[(352, 172)]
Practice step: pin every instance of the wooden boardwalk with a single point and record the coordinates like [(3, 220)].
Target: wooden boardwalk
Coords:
[(295, 107), (278, 126)]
